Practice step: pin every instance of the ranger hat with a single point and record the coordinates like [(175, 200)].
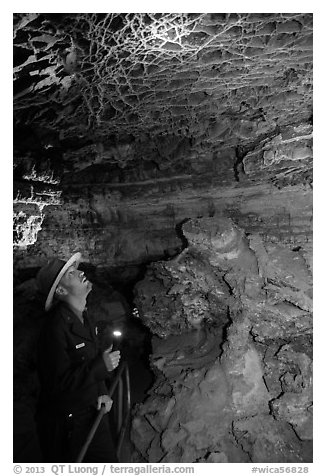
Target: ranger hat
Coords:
[(49, 276)]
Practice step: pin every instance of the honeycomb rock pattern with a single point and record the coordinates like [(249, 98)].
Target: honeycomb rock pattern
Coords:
[(113, 81)]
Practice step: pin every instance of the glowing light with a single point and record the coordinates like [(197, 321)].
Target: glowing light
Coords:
[(26, 229), (135, 312), (46, 177), (117, 333), (27, 226), (54, 198)]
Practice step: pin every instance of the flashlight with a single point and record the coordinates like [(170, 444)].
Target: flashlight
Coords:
[(117, 334)]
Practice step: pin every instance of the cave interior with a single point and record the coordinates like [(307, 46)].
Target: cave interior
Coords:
[(174, 150)]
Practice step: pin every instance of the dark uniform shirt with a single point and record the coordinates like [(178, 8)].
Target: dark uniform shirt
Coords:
[(72, 370)]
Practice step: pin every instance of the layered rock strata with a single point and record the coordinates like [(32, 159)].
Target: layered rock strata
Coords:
[(132, 222)]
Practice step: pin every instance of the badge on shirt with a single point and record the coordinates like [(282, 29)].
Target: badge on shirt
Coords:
[(78, 346)]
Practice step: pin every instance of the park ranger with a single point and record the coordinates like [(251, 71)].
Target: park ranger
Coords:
[(72, 368)]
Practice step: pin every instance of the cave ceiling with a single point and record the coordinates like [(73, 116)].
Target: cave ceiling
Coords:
[(94, 91)]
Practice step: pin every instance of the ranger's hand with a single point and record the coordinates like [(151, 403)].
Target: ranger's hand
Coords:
[(107, 402), (111, 359)]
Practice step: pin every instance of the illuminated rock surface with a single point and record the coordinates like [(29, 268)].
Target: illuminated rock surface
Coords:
[(143, 120), (175, 152)]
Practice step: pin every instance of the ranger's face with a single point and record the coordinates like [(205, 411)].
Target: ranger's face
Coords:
[(75, 282)]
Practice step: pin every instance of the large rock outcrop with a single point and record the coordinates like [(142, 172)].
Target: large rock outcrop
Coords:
[(233, 318)]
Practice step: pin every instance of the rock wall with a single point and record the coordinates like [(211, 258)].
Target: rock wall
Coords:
[(233, 319), (140, 232), (266, 188)]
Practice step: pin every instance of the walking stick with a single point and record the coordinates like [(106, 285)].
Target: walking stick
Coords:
[(102, 412), (91, 434)]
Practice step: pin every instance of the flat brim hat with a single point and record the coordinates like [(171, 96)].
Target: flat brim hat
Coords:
[(49, 276)]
